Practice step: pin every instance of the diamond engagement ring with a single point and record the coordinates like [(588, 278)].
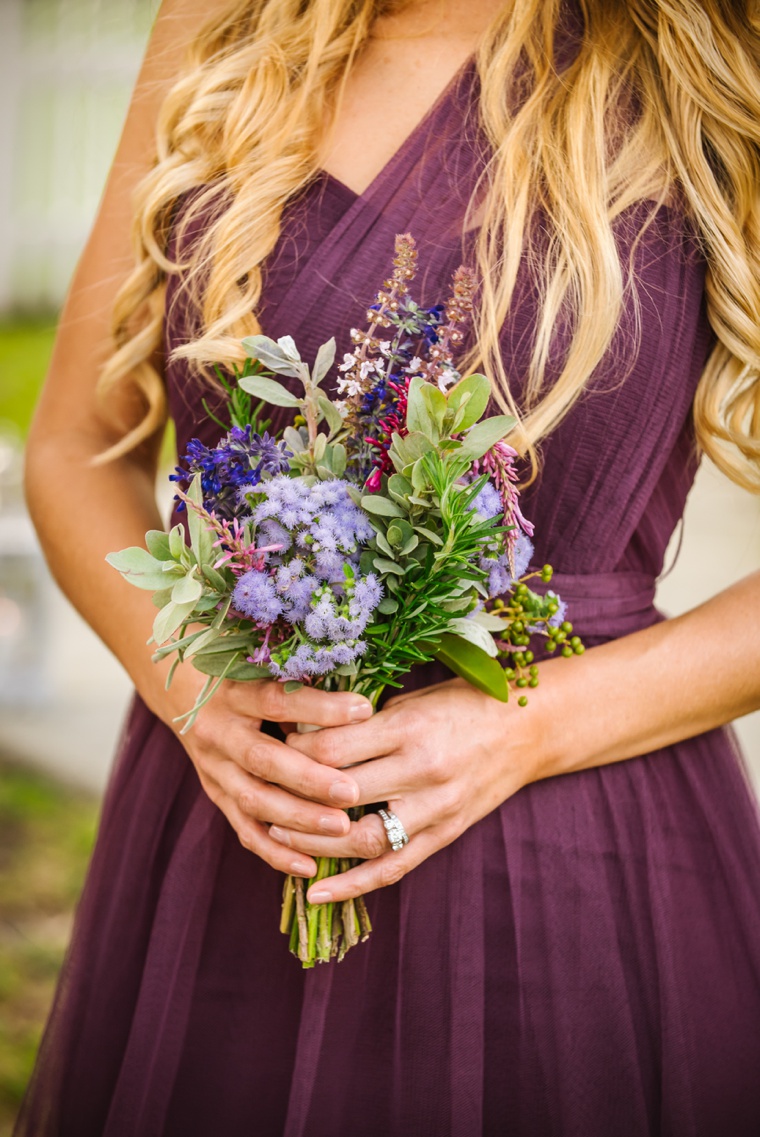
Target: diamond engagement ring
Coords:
[(395, 831)]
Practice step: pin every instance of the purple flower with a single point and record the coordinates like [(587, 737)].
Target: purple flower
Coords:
[(255, 596), (231, 468), (488, 503)]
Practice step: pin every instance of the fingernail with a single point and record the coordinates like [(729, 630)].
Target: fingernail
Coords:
[(332, 825), (319, 897), (301, 868), (361, 711), (279, 834), (344, 793)]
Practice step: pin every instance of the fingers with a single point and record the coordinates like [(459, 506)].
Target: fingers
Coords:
[(272, 804), (272, 761), (379, 873), (268, 699), (253, 835), (349, 744), (365, 839)]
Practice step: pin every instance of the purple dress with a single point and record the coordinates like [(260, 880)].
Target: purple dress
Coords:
[(583, 962)]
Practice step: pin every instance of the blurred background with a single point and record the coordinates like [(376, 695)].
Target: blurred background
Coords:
[(66, 70)]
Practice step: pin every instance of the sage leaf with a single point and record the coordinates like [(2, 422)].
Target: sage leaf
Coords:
[(473, 633), (474, 391), (158, 544), (381, 506), (333, 417), (140, 568), (187, 590), (483, 435), (270, 390), (323, 362), (169, 619)]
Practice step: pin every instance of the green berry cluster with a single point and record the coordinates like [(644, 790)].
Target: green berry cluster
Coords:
[(526, 614)]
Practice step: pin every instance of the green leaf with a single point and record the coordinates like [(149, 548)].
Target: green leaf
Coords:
[(323, 362), (271, 354), (381, 506), (333, 417), (187, 590), (140, 568), (270, 390), (486, 434), (293, 440), (169, 619), (399, 488), (429, 534), (203, 641), (320, 445), (473, 392), (231, 664), (473, 633), (399, 532), (292, 685), (176, 543), (488, 621), (387, 605), (472, 664), (383, 565), (339, 458), (435, 402), (201, 540), (418, 414), (158, 544)]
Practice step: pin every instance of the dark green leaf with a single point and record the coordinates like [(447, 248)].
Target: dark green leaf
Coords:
[(472, 664)]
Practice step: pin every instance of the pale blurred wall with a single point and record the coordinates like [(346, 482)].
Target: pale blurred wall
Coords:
[(65, 74), (66, 71)]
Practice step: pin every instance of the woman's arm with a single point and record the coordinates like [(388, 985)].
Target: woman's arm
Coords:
[(83, 512), (447, 756)]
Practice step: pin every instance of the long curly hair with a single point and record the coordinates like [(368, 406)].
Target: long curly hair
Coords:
[(242, 125)]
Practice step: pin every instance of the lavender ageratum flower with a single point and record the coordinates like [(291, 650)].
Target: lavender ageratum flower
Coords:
[(329, 567), (500, 577), (523, 554), (366, 595), (270, 532), (488, 503), (308, 661), (255, 596)]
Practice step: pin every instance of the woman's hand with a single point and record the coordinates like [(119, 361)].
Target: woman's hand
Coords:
[(442, 758), (256, 780)]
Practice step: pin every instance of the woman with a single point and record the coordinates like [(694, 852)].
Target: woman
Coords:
[(571, 940)]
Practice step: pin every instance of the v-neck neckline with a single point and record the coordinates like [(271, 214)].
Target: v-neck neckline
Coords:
[(441, 101)]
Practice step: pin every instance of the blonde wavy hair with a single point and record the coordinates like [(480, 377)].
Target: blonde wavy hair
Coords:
[(242, 125)]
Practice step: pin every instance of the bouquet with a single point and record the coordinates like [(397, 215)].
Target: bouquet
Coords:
[(380, 530)]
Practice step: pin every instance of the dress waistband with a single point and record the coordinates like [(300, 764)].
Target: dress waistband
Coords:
[(608, 604)]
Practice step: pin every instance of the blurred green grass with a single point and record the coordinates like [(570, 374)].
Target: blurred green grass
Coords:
[(46, 836), (25, 349)]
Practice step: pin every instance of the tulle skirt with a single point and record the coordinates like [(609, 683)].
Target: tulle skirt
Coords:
[(584, 962)]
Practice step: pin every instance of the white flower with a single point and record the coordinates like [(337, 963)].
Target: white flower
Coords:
[(447, 378), (367, 367), (349, 387), (348, 362), (383, 346), (414, 365)]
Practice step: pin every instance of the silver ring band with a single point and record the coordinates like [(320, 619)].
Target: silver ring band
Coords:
[(395, 831)]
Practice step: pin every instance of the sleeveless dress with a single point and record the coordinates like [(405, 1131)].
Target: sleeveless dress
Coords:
[(584, 961)]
